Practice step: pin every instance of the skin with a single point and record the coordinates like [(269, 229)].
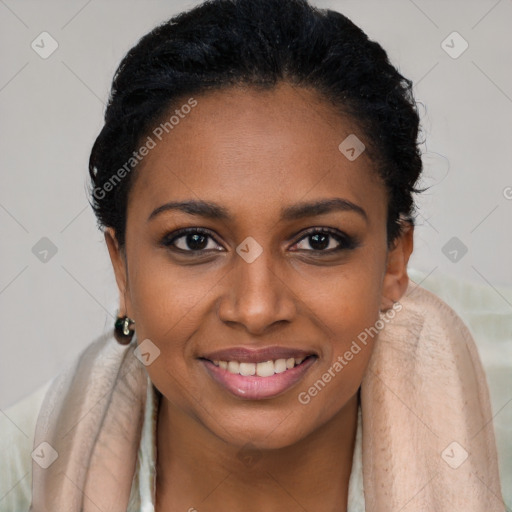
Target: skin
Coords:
[(254, 152)]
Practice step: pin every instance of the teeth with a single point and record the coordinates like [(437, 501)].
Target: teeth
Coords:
[(247, 369), (280, 366), (233, 367), (263, 369)]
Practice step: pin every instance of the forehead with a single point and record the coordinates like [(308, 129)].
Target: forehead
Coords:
[(259, 149)]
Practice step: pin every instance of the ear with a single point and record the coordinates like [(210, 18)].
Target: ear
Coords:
[(118, 259), (396, 279)]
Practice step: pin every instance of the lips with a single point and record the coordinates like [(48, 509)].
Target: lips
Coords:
[(257, 374)]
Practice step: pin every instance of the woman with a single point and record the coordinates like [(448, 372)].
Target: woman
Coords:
[(254, 181)]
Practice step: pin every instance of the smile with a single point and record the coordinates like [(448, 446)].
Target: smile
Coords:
[(261, 380), (263, 369)]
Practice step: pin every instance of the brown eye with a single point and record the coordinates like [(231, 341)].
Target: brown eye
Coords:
[(326, 240), (190, 240)]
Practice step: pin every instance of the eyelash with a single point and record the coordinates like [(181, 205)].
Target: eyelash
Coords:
[(346, 242)]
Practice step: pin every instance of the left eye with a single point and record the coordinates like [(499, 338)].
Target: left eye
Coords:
[(324, 240)]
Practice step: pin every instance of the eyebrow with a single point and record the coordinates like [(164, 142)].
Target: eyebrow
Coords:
[(214, 211)]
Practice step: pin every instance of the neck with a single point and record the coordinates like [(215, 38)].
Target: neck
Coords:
[(196, 470)]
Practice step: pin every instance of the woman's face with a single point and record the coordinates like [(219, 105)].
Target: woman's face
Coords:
[(256, 285)]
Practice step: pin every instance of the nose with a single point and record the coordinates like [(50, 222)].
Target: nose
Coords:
[(257, 296)]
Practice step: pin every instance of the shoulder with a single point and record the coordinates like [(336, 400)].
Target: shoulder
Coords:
[(17, 426), (485, 310)]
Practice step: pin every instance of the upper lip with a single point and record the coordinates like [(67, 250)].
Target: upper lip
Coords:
[(253, 355)]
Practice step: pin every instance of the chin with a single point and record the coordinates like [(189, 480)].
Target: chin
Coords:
[(264, 431)]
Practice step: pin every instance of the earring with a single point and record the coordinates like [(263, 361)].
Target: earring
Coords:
[(122, 330)]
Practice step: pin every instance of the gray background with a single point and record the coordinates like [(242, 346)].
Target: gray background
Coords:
[(51, 111)]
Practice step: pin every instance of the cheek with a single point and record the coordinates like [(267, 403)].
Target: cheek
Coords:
[(165, 311), (340, 373), (165, 298), (350, 303), (343, 368), (351, 315), (168, 304)]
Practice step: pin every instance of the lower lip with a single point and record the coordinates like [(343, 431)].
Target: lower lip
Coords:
[(258, 388)]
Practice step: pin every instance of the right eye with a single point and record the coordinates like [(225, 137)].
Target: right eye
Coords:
[(192, 240)]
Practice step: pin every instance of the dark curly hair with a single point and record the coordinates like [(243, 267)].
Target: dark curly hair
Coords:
[(225, 43)]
